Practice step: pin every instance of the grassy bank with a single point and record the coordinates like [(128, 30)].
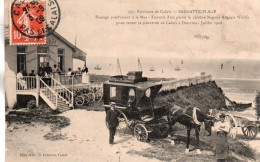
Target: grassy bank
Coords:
[(204, 96), (43, 116)]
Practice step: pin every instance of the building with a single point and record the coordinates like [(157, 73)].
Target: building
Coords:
[(57, 50)]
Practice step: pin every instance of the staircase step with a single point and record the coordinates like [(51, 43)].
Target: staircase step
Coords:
[(63, 110), (62, 103)]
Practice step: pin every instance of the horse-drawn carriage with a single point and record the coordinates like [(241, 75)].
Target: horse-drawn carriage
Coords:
[(134, 97)]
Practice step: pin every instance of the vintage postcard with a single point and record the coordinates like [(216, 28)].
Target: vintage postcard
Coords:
[(132, 80)]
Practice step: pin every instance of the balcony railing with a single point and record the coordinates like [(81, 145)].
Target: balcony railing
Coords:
[(69, 79), (26, 83)]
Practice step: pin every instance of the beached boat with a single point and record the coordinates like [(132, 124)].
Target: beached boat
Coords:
[(242, 106), (97, 67), (177, 68), (238, 106)]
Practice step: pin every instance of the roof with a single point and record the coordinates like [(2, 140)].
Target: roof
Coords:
[(77, 53), (139, 85)]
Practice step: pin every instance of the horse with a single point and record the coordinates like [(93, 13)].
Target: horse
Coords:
[(190, 117)]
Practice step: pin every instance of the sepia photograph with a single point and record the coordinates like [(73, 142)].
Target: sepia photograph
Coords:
[(119, 81)]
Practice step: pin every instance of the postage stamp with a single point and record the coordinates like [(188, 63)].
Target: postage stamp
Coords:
[(32, 21)]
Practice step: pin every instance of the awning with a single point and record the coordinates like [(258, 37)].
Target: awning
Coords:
[(78, 54)]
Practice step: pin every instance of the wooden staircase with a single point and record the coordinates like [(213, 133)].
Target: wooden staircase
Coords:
[(57, 96)]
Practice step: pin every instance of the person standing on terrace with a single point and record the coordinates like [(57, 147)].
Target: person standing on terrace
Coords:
[(56, 72), (48, 69), (84, 69)]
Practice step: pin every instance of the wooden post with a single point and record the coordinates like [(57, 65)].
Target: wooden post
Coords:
[(72, 95), (37, 90)]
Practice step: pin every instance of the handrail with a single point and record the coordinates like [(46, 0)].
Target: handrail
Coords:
[(26, 83), (70, 97), (61, 85), (52, 91), (48, 86)]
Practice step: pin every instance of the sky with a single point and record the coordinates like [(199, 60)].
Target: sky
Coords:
[(234, 39)]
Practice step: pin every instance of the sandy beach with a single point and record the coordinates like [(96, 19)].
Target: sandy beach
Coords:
[(86, 139)]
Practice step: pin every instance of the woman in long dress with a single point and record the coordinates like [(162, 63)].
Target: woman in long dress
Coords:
[(222, 147), (56, 73)]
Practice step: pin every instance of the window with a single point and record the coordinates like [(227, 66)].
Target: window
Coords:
[(60, 62), (42, 50), (60, 51), (112, 92), (21, 59), (60, 59), (42, 56), (21, 50)]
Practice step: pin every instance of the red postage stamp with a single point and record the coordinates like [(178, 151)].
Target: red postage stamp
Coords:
[(28, 22)]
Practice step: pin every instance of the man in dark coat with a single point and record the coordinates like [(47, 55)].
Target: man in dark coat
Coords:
[(112, 121), (48, 69)]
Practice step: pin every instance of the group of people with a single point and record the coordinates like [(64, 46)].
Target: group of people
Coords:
[(77, 72), (46, 73), (221, 127)]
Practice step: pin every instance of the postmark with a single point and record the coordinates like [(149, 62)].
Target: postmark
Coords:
[(32, 21)]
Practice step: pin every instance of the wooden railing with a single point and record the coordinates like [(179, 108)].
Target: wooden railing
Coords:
[(63, 92), (70, 79), (174, 84), (49, 93), (26, 83)]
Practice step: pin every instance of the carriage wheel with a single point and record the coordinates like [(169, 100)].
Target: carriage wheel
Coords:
[(123, 124), (233, 124), (89, 98), (141, 133), (80, 100), (250, 131)]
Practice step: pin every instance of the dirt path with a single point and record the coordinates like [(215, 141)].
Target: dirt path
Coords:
[(86, 139)]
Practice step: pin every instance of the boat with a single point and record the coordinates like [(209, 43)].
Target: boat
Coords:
[(118, 68), (152, 69), (238, 106), (97, 67), (177, 68), (139, 65), (181, 61)]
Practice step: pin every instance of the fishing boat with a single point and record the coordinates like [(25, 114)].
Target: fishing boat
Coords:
[(139, 67), (152, 69), (97, 67), (177, 68)]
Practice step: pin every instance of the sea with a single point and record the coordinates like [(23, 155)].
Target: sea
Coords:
[(238, 78)]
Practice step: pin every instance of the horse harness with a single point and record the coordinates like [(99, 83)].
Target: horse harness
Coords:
[(194, 114)]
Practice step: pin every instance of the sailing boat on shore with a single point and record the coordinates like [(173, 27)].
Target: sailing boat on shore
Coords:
[(177, 68), (97, 67), (152, 69), (139, 65), (118, 67)]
